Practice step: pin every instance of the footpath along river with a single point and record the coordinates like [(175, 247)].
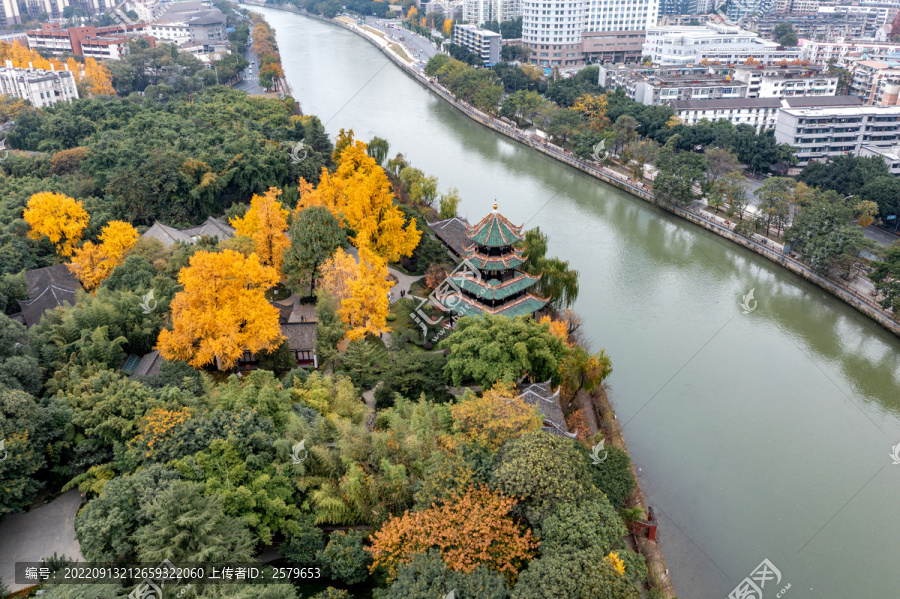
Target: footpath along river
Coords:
[(758, 435)]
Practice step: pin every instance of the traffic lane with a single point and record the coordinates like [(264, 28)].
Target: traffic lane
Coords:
[(880, 236)]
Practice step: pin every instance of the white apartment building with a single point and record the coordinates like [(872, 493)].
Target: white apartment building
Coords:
[(780, 82), (714, 42), (9, 12), (168, 31), (822, 132), (479, 12), (661, 86), (41, 88), (621, 15), (840, 51), (484, 43), (553, 30), (762, 113), (885, 13), (874, 81), (890, 155)]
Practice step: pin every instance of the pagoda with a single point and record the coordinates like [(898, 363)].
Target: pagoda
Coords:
[(490, 281)]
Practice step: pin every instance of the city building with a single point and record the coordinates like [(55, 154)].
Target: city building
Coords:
[(737, 10), (479, 12), (553, 30), (813, 26), (495, 285), (41, 88), (890, 155), (884, 12), (820, 132), (612, 46), (614, 15), (876, 82), (841, 51), (714, 43), (9, 13), (785, 81), (484, 43), (96, 42), (762, 113), (654, 86)]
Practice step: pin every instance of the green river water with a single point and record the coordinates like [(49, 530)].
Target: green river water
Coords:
[(764, 435)]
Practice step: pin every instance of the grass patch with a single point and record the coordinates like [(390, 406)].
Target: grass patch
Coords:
[(396, 49), (373, 30)]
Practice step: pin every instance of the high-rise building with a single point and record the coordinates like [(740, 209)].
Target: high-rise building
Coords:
[(479, 12), (9, 12), (553, 30), (618, 15)]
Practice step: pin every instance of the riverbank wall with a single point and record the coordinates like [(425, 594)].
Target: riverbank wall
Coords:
[(865, 305)]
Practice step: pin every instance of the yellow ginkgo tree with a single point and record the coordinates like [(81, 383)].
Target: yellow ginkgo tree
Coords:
[(265, 223), (58, 217), (222, 311), (359, 194), (362, 290), (92, 263)]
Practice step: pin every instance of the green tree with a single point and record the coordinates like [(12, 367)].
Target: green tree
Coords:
[(613, 476), (585, 574), (677, 174), (576, 526), (105, 526), (315, 235), (887, 279), (427, 575), (345, 558), (449, 203), (329, 332), (378, 149), (20, 421), (558, 281), (825, 235), (784, 34), (884, 191), (18, 368), (497, 348), (186, 525), (543, 471), (302, 546)]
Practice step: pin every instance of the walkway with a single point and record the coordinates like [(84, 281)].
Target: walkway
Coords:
[(39, 533), (404, 282)]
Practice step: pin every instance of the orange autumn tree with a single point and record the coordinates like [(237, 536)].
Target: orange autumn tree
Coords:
[(97, 79), (58, 217), (362, 290), (558, 328), (359, 193), (498, 415), (222, 311), (448, 27), (265, 223), (468, 531), (92, 263)]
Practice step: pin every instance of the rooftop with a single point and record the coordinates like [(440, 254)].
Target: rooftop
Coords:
[(494, 230), (546, 400), (48, 288), (843, 102)]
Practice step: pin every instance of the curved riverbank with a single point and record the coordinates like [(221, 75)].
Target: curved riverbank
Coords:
[(861, 303)]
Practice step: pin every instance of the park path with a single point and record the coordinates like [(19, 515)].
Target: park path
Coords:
[(39, 533)]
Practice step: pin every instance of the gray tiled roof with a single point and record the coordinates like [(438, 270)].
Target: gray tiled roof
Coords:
[(149, 364), (301, 336), (48, 288), (453, 232), (167, 235), (213, 227), (547, 401)]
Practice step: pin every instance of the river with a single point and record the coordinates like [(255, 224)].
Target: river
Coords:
[(759, 435)]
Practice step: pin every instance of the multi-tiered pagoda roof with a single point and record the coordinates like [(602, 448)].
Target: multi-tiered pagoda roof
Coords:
[(493, 283)]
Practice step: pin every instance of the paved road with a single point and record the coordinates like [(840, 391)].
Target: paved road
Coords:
[(249, 76), (880, 235), (421, 48), (38, 533)]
